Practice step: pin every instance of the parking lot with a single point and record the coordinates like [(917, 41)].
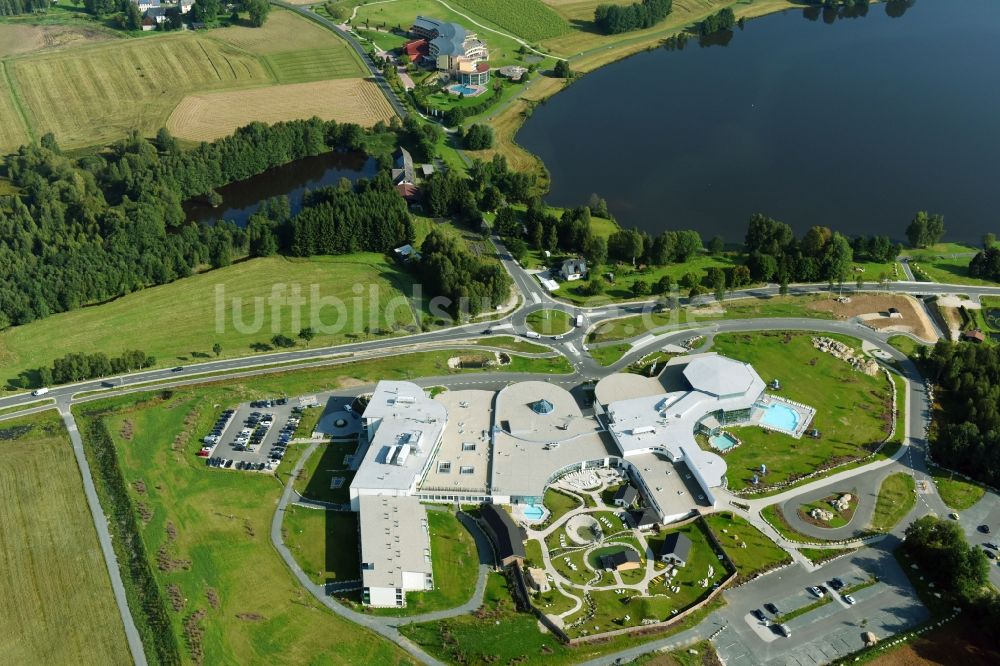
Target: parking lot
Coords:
[(253, 436)]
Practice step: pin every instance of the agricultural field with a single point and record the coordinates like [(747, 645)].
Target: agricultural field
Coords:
[(56, 603), (135, 84), (204, 117), (531, 20), (13, 132), (852, 408), (186, 310), (204, 529), (17, 38)]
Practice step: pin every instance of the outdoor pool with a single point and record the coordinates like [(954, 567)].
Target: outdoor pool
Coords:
[(533, 512), (723, 441), (780, 417), (468, 91)]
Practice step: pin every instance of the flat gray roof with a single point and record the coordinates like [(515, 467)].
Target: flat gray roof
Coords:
[(394, 538), (403, 416), (465, 445)]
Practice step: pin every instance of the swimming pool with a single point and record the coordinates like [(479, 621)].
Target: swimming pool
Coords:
[(533, 512), (723, 441), (468, 91), (780, 417)]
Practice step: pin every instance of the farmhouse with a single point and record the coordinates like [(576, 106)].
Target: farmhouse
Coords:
[(454, 50), (676, 549), (573, 269), (625, 559)]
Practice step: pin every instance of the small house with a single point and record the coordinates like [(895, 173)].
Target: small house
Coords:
[(406, 253), (676, 549), (573, 269), (402, 172), (626, 496), (645, 519), (975, 336), (623, 560)]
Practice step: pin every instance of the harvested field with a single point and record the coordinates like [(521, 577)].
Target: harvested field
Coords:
[(12, 130), (284, 30), (129, 85), (212, 115), (913, 319), (17, 38), (960, 641)]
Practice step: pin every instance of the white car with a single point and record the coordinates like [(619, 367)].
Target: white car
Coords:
[(818, 592), (849, 600), (41, 391)]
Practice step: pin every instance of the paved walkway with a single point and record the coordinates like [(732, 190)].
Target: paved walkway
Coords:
[(104, 538)]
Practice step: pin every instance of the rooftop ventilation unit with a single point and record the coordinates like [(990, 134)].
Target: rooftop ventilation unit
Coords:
[(405, 399), (643, 430)]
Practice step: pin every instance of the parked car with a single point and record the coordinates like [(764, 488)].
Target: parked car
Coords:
[(783, 630), (990, 554), (772, 609), (953, 515), (759, 615), (990, 545), (836, 583), (815, 590), (849, 600), (985, 529), (229, 463)]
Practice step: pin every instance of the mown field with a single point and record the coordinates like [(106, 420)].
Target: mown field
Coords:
[(13, 132), (204, 117), (95, 93), (177, 322), (56, 604), (229, 597), (851, 407), (530, 20)]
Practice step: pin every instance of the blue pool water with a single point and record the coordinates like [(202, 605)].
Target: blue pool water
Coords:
[(723, 441), (533, 512), (782, 417), (460, 89)]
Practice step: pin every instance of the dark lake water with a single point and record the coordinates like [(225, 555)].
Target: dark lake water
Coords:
[(241, 199), (854, 124)]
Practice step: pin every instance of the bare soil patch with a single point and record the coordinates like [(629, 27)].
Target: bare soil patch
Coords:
[(958, 642), (913, 318)]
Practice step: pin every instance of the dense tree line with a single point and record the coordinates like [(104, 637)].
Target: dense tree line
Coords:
[(370, 217), (421, 139), (77, 367), (774, 254), (84, 231), (470, 284), (615, 19), (958, 569), (878, 249), (15, 7), (986, 264), (925, 230), (488, 186), (967, 432), (478, 137), (724, 19)]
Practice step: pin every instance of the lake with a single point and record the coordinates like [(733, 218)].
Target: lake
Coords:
[(854, 123), (241, 199)]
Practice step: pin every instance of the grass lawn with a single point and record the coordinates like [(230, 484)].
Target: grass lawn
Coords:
[(773, 515), (852, 408), (944, 262), (327, 463), (609, 354), (820, 555), (177, 322), (324, 543), (533, 553), (550, 322), (204, 529), (56, 603), (905, 344), (559, 504), (760, 554), (785, 617), (896, 497), (513, 344), (955, 491)]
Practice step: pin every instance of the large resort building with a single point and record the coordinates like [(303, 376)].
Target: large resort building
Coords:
[(454, 50), (507, 447)]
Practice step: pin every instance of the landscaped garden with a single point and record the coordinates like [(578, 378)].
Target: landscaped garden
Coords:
[(830, 512), (853, 409)]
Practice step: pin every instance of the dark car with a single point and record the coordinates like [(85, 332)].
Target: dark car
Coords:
[(759, 615), (985, 529), (229, 463), (772, 609), (836, 583), (178, 368)]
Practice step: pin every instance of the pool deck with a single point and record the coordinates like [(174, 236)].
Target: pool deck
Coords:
[(804, 412)]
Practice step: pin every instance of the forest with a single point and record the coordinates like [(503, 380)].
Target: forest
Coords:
[(15, 7), (616, 19), (84, 231), (966, 436)]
